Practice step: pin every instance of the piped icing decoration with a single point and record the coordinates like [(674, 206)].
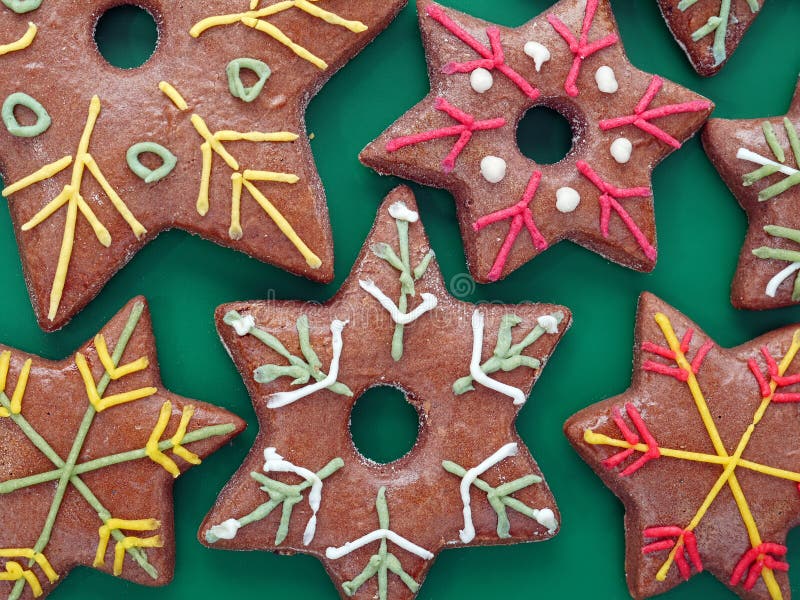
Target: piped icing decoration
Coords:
[(520, 216), (25, 41), (384, 562), (539, 53), (256, 19), (67, 473), (493, 169), (408, 277), (606, 80), (43, 120), (782, 254), (481, 80), (174, 95), (716, 24), (581, 48), (500, 497), (771, 167), (237, 86), (492, 58), (153, 448), (508, 356), (22, 6), (72, 198), (609, 200), (280, 494), (464, 130), (643, 115), (15, 403), (168, 161), (567, 199), (478, 374), (763, 558), (621, 150)]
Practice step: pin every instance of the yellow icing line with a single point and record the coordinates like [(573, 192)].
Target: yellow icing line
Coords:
[(235, 231), (15, 572), (329, 17), (279, 36), (64, 256), (101, 404), (103, 236), (205, 179), (220, 20), (137, 228), (180, 433), (22, 43), (117, 524), (285, 227), (19, 390), (107, 362), (174, 95), (255, 136), (152, 450), (253, 4), (28, 553), (46, 172), (50, 208), (132, 542), (216, 146), (270, 176)]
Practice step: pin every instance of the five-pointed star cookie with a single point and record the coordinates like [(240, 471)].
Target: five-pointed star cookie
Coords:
[(91, 446), (759, 161), (700, 452), (462, 136), (207, 136), (709, 30), (467, 369)]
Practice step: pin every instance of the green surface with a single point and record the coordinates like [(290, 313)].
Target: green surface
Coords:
[(700, 229)]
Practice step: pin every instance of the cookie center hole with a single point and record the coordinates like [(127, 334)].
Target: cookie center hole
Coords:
[(126, 36), (544, 135), (384, 426)]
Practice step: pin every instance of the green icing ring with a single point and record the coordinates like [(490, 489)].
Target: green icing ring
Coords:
[(235, 84), (43, 119), (150, 175), (22, 6)]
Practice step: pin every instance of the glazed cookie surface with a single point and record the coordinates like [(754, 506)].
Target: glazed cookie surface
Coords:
[(466, 369), (462, 136), (91, 448), (207, 136), (697, 451)]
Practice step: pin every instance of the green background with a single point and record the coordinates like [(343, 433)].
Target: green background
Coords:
[(700, 229)]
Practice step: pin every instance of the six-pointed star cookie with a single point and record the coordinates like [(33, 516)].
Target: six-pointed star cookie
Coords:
[(759, 161), (105, 180), (699, 451), (462, 136), (709, 30), (466, 369), (91, 446)]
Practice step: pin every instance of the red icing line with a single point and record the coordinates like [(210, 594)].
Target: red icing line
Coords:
[(784, 398), (772, 367), (652, 446), (687, 340), (675, 372), (520, 214), (642, 117), (701, 356), (468, 125), (755, 560), (658, 350), (763, 385), (493, 59), (580, 48), (609, 201), (658, 546), (686, 547)]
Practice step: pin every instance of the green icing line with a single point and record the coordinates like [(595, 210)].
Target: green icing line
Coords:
[(753, 4), (235, 84), (778, 188), (784, 232), (22, 6), (796, 290), (777, 254), (721, 32), (794, 141), (711, 25), (772, 141), (43, 120), (168, 159), (685, 4), (759, 174)]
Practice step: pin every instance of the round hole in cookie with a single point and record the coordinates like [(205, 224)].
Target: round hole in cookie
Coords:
[(544, 135), (126, 36), (383, 425)]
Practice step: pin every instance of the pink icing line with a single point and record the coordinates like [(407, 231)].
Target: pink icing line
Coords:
[(642, 117), (493, 59), (468, 125), (609, 201), (580, 49), (520, 215)]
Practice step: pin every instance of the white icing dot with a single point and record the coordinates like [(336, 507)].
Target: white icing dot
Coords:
[(549, 323), (567, 199), (224, 531), (606, 80), (546, 518), (400, 211), (539, 53), (481, 80), (244, 325), (493, 169), (621, 150)]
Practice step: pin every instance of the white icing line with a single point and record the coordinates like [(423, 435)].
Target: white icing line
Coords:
[(468, 533), (400, 211), (538, 52), (475, 364), (775, 282), (285, 398), (753, 157), (379, 534), (226, 530), (429, 302)]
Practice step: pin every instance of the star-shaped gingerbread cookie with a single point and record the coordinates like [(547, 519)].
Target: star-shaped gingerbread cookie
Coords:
[(207, 136), (709, 30), (91, 446), (759, 160), (467, 370), (699, 451), (462, 136)]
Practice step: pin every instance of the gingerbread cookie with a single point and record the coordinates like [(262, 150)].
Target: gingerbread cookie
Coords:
[(699, 451), (91, 446), (467, 370), (709, 30), (759, 161), (462, 136), (207, 136)]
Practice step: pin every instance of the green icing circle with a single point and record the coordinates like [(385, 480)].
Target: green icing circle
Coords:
[(22, 6), (150, 175), (235, 84), (43, 119)]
